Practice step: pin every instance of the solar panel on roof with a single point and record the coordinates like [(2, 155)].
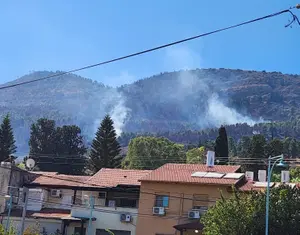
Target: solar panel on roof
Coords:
[(233, 176), (263, 184), (199, 174), (213, 175)]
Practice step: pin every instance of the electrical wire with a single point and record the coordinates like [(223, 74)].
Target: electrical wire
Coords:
[(295, 19), (83, 206)]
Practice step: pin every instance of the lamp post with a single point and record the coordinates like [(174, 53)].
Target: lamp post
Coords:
[(92, 202), (270, 169)]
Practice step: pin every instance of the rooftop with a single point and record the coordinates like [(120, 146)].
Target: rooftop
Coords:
[(44, 213), (182, 173), (53, 178), (107, 177)]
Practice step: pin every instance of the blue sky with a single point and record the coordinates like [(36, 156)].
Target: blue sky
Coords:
[(63, 35)]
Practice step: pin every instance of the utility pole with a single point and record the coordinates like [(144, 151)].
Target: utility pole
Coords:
[(91, 215), (25, 202), (9, 210)]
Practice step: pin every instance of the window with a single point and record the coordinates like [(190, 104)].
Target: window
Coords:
[(162, 201), (126, 202), (200, 202)]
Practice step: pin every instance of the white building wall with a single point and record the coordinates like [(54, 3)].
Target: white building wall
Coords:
[(35, 200), (108, 218)]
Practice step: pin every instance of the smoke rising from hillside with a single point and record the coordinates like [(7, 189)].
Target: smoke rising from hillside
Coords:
[(119, 113), (112, 102), (210, 110)]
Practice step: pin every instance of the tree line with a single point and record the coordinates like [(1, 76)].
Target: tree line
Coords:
[(63, 148)]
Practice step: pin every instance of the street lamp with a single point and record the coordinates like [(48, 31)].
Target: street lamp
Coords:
[(270, 169)]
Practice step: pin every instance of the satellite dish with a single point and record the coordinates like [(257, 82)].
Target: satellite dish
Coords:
[(30, 163)]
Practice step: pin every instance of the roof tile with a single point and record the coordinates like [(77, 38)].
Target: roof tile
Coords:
[(107, 177), (181, 173)]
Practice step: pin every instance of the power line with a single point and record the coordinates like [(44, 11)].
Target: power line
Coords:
[(295, 19), (109, 211)]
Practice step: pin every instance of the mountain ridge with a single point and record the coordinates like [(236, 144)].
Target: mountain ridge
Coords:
[(169, 101)]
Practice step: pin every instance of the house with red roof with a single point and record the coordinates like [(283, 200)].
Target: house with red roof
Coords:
[(107, 200), (174, 196), (168, 200)]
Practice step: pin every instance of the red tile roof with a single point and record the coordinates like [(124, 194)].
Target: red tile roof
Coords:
[(53, 178), (44, 213), (181, 173), (104, 178), (107, 177)]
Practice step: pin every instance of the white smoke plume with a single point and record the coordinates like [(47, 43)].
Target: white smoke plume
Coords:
[(189, 84), (119, 114), (220, 114), (112, 103)]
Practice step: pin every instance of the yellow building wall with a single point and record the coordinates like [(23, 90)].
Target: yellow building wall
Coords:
[(181, 200)]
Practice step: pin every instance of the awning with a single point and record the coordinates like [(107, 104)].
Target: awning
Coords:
[(193, 225)]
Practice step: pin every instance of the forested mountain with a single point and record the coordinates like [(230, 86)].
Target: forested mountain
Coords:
[(167, 103)]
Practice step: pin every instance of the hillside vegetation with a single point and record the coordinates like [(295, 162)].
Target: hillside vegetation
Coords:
[(183, 101)]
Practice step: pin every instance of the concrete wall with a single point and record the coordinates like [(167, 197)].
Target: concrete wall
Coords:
[(15, 177), (180, 202)]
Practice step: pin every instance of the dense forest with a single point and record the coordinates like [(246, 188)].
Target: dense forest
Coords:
[(270, 130), (184, 106)]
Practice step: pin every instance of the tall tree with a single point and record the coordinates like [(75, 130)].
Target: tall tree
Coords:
[(70, 150), (232, 147), (42, 137), (274, 148), (293, 149), (257, 150), (105, 147), (152, 152), (58, 149), (196, 155), (7, 140), (221, 147), (245, 214)]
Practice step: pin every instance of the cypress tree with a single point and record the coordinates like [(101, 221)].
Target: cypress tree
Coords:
[(105, 148), (221, 147), (7, 139)]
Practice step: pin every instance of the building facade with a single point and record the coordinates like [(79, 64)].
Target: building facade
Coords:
[(82, 205), (11, 178), (174, 196)]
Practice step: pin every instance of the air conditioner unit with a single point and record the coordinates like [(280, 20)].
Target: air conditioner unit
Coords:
[(125, 218), (158, 211), (194, 214), (55, 193)]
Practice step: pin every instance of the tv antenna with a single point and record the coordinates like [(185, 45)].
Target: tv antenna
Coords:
[(30, 163)]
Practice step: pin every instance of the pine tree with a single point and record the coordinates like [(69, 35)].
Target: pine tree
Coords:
[(221, 147), (7, 140), (105, 147)]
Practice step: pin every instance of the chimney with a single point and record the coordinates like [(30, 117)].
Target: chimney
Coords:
[(249, 175), (262, 176), (210, 158), (285, 176)]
